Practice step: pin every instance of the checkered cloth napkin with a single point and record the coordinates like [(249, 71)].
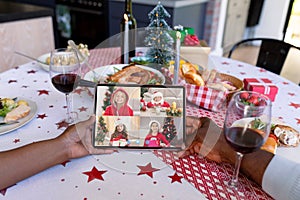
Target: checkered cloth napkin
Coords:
[(202, 96)]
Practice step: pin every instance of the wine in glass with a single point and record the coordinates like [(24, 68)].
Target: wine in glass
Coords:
[(65, 74), (247, 125)]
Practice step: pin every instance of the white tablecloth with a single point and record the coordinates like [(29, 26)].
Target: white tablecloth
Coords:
[(128, 174)]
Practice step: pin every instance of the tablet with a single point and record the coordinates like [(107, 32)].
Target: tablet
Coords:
[(139, 116)]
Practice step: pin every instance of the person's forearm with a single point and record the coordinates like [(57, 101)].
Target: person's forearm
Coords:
[(254, 165), (31, 159)]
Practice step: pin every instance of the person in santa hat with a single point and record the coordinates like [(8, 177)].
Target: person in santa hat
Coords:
[(120, 134), (119, 104), (154, 137), (158, 101)]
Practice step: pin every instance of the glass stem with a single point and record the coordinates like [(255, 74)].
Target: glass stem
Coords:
[(69, 108), (234, 181)]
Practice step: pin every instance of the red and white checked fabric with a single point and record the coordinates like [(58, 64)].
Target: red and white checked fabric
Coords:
[(202, 96), (207, 176), (210, 178)]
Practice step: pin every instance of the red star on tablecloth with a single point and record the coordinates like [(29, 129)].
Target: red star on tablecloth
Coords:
[(296, 105), (78, 91), (94, 174), (43, 92), (285, 83), (176, 177), (291, 94), (242, 73), (65, 163), (298, 121), (25, 86), (262, 70), (82, 109), (16, 140), (41, 116), (62, 124), (225, 63), (12, 81), (148, 169), (31, 72)]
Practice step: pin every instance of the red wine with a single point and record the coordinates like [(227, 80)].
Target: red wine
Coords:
[(65, 82), (243, 141), (128, 32)]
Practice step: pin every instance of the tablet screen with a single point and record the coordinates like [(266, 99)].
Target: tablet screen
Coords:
[(139, 116)]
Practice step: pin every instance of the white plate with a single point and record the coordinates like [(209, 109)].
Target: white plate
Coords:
[(101, 73), (7, 128), (46, 67)]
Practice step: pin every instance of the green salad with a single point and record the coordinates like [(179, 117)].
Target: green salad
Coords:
[(6, 105)]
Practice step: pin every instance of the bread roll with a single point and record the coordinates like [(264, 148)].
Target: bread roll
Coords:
[(270, 144), (287, 135), (17, 113), (194, 78)]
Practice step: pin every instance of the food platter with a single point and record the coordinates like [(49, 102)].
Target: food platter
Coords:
[(45, 66), (100, 74), (11, 127)]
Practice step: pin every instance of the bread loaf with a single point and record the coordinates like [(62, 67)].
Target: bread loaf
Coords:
[(17, 113)]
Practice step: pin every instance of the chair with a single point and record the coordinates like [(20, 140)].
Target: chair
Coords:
[(272, 53)]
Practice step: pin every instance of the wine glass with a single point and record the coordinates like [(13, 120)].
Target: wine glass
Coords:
[(65, 73), (247, 125)]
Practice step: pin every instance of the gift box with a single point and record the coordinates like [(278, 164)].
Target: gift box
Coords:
[(261, 85)]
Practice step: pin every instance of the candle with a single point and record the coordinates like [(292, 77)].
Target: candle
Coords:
[(177, 58), (126, 40)]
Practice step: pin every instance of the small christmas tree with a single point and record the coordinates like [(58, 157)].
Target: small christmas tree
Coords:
[(158, 37), (101, 130), (169, 129), (106, 100)]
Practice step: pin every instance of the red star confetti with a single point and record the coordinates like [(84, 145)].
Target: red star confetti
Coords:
[(82, 109), (242, 73), (65, 163), (225, 63), (262, 70), (78, 91), (25, 86), (16, 140), (296, 105), (176, 178), (291, 94), (12, 81), (285, 83), (94, 174), (62, 124), (298, 121), (31, 72), (148, 169), (41, 116), (43, 92)]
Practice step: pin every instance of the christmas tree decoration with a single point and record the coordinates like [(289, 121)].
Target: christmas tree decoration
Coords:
[(102, 131), (158, 38), (106, 100), (169, 129)]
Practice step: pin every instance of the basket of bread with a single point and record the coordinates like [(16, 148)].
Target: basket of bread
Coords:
[(208, 89)]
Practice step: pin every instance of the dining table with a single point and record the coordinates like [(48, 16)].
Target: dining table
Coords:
[(129, 174)]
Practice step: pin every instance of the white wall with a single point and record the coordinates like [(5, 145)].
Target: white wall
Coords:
[(272, 19), (271, 22)]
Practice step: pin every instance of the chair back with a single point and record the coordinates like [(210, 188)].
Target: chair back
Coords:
[(272, 52)]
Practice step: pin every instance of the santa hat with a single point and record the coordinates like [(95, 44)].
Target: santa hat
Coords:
[(118, 121), (157, 94), (154, 121)]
